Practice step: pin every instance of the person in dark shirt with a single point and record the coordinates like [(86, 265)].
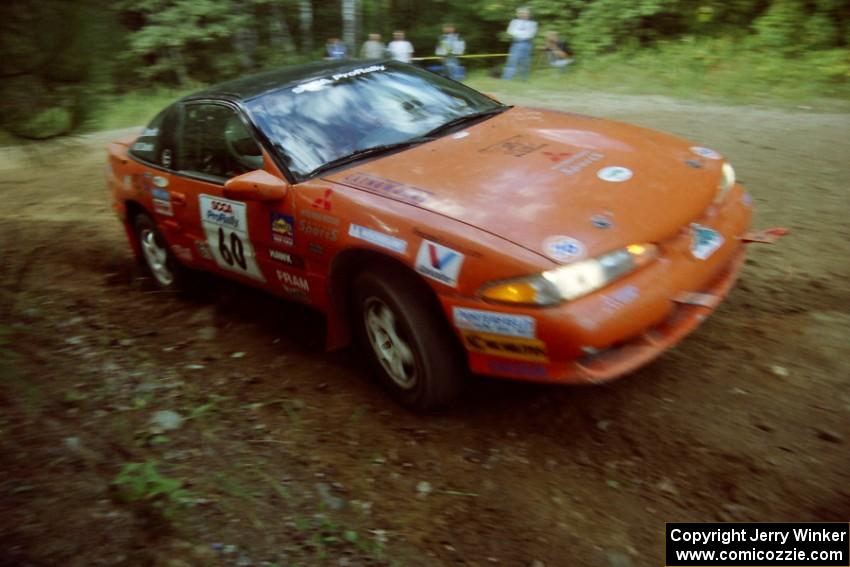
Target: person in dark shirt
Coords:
[(557, 51)]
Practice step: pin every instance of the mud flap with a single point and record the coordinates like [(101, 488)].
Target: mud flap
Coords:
[(765, 236)]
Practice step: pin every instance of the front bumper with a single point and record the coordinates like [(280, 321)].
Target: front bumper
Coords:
[(626, 325)]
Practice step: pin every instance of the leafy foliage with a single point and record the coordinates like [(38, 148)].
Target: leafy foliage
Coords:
[(142, 482), (62, 60)]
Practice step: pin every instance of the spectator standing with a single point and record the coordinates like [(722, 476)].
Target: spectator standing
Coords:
[(522, 30), (400, 49), (557, 51), (373, 48), (336, 49), (449, 47)]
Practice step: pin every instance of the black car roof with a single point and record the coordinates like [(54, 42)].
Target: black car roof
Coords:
[(245, 88)]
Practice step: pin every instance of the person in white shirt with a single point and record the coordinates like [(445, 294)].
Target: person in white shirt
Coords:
[(373, 48), (522, 30), (400, 49)]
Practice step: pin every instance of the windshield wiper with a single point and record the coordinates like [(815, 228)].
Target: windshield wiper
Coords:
[(383, 148), (466, 118), (368, 152)]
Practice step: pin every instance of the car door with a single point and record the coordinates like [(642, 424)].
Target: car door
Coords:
[(214, 145)]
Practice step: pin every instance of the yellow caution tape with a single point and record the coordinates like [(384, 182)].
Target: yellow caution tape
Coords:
[(461, 56)]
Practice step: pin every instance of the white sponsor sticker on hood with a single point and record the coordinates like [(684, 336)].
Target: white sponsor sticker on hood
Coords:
[(563, 248), (615, 174), (707, 153), (494, 323)]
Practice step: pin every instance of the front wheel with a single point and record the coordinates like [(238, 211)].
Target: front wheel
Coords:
[(410, 346)]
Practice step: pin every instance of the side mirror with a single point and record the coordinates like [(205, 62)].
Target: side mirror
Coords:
[(256, 185)]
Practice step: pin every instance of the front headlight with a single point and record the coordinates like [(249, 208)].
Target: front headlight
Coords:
[(727, 181), (572, 281)]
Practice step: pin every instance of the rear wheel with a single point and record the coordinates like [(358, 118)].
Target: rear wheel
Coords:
[(160, 264), (411, 348)]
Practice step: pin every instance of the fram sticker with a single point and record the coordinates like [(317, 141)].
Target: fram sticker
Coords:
[(707, 153), (563, 248), (378, 238), (494, 323), (614, 174), (283, 229), (532, 350), (439, 262)]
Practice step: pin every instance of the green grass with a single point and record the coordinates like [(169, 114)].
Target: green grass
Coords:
[(132, 109), (718, 70)]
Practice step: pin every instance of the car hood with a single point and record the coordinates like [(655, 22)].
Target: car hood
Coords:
[(530, 175)]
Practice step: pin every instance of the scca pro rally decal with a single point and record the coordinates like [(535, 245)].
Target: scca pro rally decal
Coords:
[(531, 350), (439, 262), (494, 323), (226, 227), (283, 229)]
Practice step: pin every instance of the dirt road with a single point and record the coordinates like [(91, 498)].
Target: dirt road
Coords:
[(291, 456)]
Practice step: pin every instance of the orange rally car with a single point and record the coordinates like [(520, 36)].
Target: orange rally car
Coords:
[(443, 230)]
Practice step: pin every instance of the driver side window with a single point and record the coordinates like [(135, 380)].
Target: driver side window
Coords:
[(216, 143)]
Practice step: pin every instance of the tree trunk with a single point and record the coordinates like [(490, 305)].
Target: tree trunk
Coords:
[(349, 24), (279, 34), (305, 13)]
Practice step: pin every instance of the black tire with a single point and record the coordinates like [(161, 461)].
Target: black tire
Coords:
[(437, 366), (168, 275)]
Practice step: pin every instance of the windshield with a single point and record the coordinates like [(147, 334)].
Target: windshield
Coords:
[(330, 117)]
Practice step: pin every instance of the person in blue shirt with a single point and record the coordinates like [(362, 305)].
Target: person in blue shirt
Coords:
[(336, 49)]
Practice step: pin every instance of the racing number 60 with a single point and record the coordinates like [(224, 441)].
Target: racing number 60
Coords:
[(236, 252)]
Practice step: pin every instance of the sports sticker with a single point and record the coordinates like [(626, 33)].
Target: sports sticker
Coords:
[(439, 262), (563, 248), (707, 153), (532, 350), (377, 238), (283, 229), (494, 323), (704, 241), (162, 202), (614, 174), (577, 162), (225, 224)]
